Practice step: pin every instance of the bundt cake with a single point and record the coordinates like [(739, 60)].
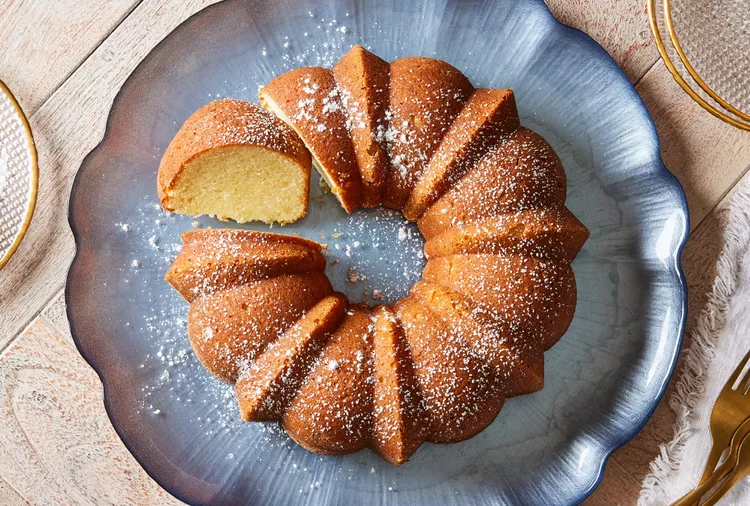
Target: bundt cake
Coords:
[(498, 289), (234, 160)]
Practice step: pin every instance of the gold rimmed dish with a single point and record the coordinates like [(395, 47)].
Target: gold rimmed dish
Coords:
[(19, 174), (683, 69)]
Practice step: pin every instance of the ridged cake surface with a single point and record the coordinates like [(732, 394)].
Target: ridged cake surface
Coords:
[(498, 289)]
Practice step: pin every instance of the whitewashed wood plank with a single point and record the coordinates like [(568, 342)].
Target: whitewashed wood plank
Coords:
[(619, 26), (707, 155), (42, 43), (9, 497), (56, 317), (57, 445), (67, 127)]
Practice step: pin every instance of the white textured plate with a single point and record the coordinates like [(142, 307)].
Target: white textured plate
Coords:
[(18, 175)]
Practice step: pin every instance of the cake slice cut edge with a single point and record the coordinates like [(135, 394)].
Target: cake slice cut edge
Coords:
[(307, 100), (235, 161)]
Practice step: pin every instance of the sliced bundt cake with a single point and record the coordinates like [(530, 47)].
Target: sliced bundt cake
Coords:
[(497, 291)]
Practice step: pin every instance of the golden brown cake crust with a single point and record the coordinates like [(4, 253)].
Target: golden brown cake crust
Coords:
[(215, 259), (223, 123), (426, 95), (516, 361), (540, 233), (362, 79), (459, 391), (400, 423), (489, 115), (267, 385), (538, 296), (312, 104), (235, 325), (332, 411), (522, 172)]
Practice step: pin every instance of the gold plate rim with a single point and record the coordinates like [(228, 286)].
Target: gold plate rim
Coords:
[(661, 47), (34, 177)]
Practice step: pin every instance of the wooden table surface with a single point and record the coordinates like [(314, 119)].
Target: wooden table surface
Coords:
[(66, 59)]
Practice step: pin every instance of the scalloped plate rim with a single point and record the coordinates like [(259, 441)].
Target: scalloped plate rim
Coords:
[(661, 171)]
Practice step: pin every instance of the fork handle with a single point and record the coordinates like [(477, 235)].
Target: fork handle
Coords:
[(695, 495), (725, 487), (720, 444)]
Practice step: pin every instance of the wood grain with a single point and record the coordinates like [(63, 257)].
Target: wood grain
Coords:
[(66, 128), (9, 497), (57, 445), (53, 400), (619, 26), (42, 43), (707, 155)]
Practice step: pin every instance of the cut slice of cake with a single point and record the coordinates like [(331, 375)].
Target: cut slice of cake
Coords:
[(489, 115), (425, 96), (362, 80), (308, 100), (266, 386), (234, 160)]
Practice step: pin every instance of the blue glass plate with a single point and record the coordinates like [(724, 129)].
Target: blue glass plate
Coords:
[(603, 379)]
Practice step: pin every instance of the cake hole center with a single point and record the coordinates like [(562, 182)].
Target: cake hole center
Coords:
[(375, 256)]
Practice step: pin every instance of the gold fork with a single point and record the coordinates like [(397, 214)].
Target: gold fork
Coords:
[(728, 467), (741, 469), (730, 409), (729, 412)]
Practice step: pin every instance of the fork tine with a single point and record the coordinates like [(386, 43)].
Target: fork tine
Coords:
[(736, 374)]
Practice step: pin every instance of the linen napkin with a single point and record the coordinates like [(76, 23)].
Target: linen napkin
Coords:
[(718, 341)]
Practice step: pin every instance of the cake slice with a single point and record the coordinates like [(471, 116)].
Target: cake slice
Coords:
[(516, 362), (534, 296), (520, 172), (541, 233), (332, 411), (400, 424), (362, 81), (425, 96), (266, 386), (234, 160), (489, 115), (233, 326), (308, 100), (460, 393), (215, 259)]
